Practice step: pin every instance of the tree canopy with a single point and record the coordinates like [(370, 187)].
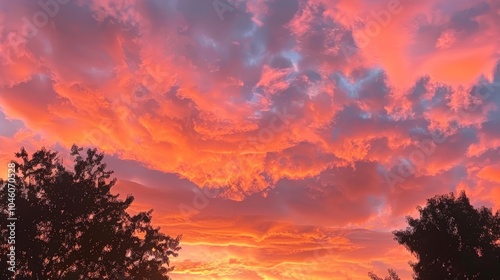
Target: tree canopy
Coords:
[(69, 225), (453, 240), (392, 276)]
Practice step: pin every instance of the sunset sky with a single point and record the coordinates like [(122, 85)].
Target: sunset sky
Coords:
[(284, 139)]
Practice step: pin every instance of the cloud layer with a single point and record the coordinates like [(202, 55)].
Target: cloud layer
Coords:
[(303, 119)]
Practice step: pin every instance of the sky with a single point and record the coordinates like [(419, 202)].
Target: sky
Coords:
[(284, 139)]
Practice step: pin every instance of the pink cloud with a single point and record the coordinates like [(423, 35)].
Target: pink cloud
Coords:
[(293, 112)]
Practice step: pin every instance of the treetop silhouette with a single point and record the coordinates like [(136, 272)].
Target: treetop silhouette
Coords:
[(453, 240), (69, 225)]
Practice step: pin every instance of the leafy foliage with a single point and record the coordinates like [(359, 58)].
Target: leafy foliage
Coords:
[(453, 240), (392, 276), (71, 227)]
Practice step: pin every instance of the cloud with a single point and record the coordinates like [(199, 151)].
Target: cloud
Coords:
[(235, 242), (276, 114)]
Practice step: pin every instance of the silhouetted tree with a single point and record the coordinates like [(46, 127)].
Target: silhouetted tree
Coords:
[(69, 225), (392, 276), (453, 240)]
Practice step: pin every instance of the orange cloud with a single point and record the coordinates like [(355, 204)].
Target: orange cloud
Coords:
[(280, 127)]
